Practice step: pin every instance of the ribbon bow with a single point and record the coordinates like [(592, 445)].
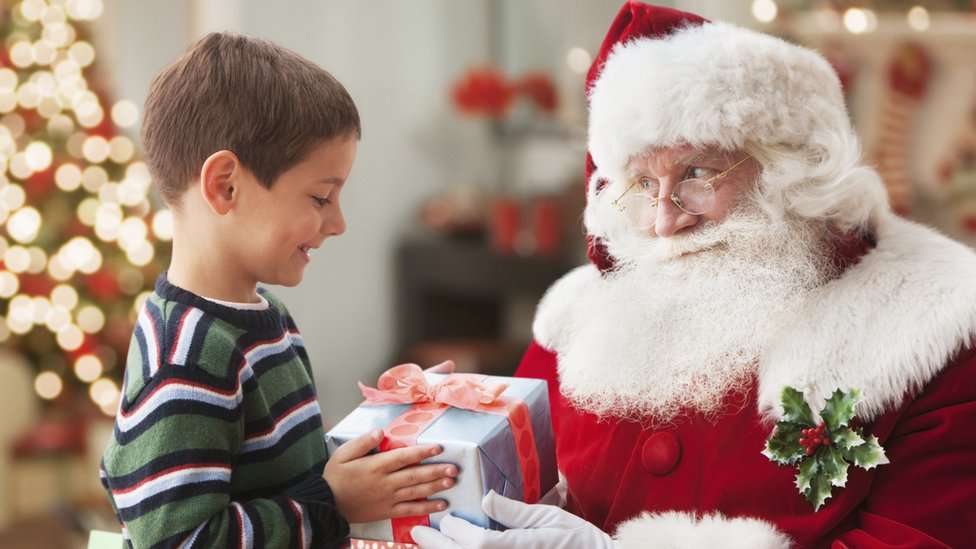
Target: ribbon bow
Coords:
[(406, 384)]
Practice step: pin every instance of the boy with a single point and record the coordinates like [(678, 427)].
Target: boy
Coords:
[(218, 440)]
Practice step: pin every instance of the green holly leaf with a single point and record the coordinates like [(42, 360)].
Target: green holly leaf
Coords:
[(804, 474), (833, 466), (812, 481), (795, 408), (839, 408), (846, 438), (867, 455), (783, 446)]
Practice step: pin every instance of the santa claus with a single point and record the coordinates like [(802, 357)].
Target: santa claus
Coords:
[(760, 354)]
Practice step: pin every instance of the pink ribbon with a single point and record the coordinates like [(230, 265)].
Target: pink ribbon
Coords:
[(406, 384)]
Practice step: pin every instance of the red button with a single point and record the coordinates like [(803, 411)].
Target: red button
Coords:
[(661, 453)]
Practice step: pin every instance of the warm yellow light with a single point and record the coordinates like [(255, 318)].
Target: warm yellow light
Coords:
[(88, 368), (24, 224), (4, 330), (8, 80), (48, 385), (38, 260), (13, 196), (138, 171), (96, 149), (57, 33), (39, 156), (3, 241), (162, 225), (121, 149), (91, 319), (17, 259), (764, 10), (108, 220), (19, 167), (54, 14), (9, 284), (32, 10), (8, 101), (65, 296), (28, 95), (132, 231), (82, 53), (44, 52), (77, 252), (70, 337), (75, 143), (94, 262), (41, 307), (57, 319), (67, 177), (104, 391), (125, 114), (57, 270), (109, 192), (84, 10), (130, 193), (140, 254), (22, 54), (60, 125), (87, 210), (918, 18), (93, 178), (856, 20), (578, 60)]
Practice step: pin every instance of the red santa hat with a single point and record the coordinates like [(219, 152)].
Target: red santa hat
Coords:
[(664, 77)]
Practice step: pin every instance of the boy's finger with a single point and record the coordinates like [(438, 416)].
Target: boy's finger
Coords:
[(420, 474), (394, 460), (418, 491), (446, 367), (414, 508), (358, 447)]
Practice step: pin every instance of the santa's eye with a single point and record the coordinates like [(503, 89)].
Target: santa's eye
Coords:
[(699, 172), (648, 185)]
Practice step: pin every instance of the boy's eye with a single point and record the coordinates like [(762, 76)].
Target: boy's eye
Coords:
[(320, 200), (698, 172)]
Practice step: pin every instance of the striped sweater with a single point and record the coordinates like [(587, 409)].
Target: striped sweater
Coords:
[(218, 440)]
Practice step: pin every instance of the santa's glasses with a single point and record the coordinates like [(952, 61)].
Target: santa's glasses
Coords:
[(695, 196)]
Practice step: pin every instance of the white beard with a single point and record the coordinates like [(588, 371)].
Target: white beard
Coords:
[(680, 325)]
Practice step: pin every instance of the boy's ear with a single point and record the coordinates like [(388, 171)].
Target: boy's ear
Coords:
[(218, 179)]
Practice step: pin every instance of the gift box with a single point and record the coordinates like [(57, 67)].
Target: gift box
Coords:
[(497, 430)]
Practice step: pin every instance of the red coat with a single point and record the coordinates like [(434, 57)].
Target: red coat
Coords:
[(925, 496)]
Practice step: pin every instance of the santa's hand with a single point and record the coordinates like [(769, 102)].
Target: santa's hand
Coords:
[(530, 527)]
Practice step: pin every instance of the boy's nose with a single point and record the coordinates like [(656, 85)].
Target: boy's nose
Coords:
[(334, 225), (671, 220)]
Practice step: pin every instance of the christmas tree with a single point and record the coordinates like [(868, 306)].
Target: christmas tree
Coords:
[(80, 242)]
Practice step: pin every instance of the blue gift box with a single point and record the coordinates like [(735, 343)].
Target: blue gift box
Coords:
[(480, 444)]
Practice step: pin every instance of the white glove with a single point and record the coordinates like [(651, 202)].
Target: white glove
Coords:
[(531, 527)]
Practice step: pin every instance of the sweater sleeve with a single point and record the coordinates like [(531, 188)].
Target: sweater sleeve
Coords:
[(169, 468)]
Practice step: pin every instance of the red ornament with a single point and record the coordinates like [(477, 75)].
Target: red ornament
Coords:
[(483, 91), (538, 88), (36, 284), (103, 285)]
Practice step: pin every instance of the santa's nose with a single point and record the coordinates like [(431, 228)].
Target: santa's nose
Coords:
[(671, 220)]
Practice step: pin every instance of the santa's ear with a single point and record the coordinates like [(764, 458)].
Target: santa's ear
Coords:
[(219, 176)]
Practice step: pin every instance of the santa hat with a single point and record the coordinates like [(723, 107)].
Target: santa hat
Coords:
[(663, 77)]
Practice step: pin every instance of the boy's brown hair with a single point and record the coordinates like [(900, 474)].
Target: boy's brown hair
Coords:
[(266, 104)]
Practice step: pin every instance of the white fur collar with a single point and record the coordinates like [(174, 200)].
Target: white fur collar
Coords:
[(887, 326)]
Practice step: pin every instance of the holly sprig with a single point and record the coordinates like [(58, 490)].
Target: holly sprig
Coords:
[(822, 452)]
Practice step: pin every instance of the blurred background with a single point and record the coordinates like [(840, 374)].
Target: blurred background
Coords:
[(463, 206)]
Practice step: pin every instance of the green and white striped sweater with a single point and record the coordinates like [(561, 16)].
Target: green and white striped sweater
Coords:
[(218, 440)]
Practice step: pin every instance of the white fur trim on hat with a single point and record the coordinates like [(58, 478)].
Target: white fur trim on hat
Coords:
[(711, 84), (685, 531)]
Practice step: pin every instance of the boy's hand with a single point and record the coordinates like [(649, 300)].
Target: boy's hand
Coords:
[(385, 485)]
